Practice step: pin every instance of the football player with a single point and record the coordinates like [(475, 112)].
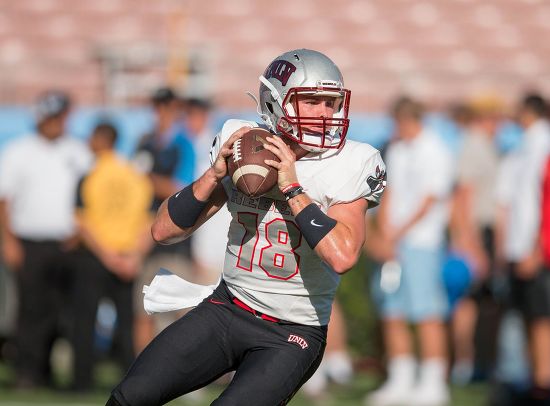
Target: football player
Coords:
[(267, 320)]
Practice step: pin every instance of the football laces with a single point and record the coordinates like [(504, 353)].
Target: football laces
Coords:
[(237, 155)]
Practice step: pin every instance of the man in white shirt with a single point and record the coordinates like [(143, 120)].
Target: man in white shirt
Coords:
[(471, 230), (38, 178), (412, 220), (519, 197)]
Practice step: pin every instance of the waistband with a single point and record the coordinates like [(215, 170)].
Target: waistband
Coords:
[(255, 312)]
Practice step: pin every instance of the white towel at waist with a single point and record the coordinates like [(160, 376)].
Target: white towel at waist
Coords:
[(168, 292)]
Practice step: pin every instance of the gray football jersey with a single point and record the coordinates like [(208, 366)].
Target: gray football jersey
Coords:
[(268, 263)]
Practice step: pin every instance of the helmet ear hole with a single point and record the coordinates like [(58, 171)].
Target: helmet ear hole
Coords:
[(269, 107)]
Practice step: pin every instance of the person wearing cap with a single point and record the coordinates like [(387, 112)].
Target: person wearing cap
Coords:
[(208, 244), (519, 197), (472, 231), (38, 178), (408, 288), (167, 155)]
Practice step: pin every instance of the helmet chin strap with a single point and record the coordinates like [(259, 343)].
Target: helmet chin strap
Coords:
[(274, 93), (277, 97)]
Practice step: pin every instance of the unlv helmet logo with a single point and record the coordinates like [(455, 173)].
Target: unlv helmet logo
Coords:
[(280, 70)]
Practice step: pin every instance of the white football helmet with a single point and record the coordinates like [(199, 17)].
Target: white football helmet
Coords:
[(307, 72)]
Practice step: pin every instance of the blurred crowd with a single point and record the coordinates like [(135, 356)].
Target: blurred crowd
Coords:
[(75, 233), (459, 247)]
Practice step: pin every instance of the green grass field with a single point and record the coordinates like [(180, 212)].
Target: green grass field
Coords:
[(107, 375)]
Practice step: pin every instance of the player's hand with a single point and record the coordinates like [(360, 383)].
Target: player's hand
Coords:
[(220, 165), (287, 167)]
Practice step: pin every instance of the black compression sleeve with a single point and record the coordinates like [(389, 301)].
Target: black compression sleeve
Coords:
[(314, 224), (184, 208)]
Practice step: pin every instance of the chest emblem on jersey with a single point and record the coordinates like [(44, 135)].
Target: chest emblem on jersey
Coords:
[(298, 340), (378, 182)]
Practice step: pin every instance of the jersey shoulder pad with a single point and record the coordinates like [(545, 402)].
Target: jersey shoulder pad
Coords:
[(366, 174), (232, 125)]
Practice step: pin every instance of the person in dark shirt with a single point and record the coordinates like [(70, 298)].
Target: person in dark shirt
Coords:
[(167, 155)]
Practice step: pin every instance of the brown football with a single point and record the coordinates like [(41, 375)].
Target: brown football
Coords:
[(246, 166)]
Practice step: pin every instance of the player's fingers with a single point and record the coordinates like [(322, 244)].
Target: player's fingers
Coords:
[(285, 158), (223, 154), (227, 148), (272, 143), (275, 150), (277, 141), (282, 146), (236, 135), (274, 164)]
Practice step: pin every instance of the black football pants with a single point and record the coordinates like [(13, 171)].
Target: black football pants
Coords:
[(271, 360)]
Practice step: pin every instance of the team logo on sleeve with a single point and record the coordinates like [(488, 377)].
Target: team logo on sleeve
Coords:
[(214, 150), (378, 182)]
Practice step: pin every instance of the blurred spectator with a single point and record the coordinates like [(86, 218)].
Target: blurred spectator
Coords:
[(168, 156), (336, 365), (208, 244), (472, 225), (519, 197), (38, 178), (412, 219), (114, 219), (545, 222), (545, 216), (7, 313)]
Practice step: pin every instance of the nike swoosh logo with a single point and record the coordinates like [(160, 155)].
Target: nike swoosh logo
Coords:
[(177, 194), (214, 301), (313, 223)]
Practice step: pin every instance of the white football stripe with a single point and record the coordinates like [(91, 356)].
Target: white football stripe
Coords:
[(249, 169)]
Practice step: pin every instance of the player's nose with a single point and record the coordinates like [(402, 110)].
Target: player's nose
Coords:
[(325, 110)]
